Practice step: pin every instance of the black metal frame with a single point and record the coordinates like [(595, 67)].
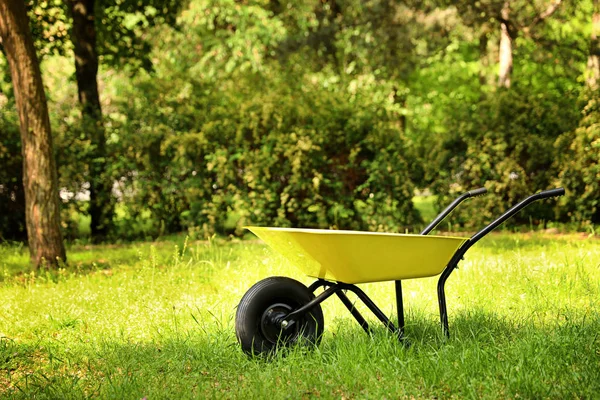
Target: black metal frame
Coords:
[(339, 288)]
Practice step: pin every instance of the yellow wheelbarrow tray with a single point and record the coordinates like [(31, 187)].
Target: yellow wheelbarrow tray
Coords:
[(279, 311), (360, 257)]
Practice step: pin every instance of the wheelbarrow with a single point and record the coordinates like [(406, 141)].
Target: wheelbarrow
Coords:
[(279, 311)]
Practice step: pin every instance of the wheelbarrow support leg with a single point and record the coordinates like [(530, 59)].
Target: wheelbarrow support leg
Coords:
[(345, 300), (371, 305), (355, 313), (442, 303), (452, 265), (400, 308)]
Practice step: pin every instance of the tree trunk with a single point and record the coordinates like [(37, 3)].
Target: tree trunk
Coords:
[(12, 193), (39, 168), (83, 36), (505, 53), (594, 58), (400, 99), (483, 56)]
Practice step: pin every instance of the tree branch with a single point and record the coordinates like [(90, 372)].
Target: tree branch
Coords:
[(504, 18), (543, 15)]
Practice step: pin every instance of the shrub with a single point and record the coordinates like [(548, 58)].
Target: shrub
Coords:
[(506, 144), (304, 156), (579, 165)]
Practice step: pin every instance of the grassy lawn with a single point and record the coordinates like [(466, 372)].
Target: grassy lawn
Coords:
[(156, 321)]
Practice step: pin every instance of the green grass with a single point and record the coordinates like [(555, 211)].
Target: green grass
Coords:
[(426, 207), (156, 321)]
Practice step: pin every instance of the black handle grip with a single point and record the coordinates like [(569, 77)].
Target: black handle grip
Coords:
[(551, 193), (477, 192)]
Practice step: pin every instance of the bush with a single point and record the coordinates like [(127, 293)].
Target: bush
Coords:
[(507, 145), (301, 156), (579, 165)]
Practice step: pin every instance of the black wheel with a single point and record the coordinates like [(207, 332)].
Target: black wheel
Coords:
[(258, 317)]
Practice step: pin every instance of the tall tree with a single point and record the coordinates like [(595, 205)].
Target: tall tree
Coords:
[(512, 18), (509, 30), (505, 52), (39, 168), (121, 42), (86, 70), (113, 33)]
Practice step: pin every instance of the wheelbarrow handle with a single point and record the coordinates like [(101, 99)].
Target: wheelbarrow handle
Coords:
[(551, 193), (477, 192), (452, 206), (512, 211), (474, 239)]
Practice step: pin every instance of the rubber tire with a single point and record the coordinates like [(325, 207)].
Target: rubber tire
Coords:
[(280, 292)]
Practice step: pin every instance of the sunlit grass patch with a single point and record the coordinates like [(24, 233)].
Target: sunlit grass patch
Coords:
[(426, 207), (155, 320)]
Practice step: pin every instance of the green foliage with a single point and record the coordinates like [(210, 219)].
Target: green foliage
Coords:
[(233, 37), (50, 26), (320, 113), (304, 156), (470, 134), (122, 27), (506, 143), (580, 164)]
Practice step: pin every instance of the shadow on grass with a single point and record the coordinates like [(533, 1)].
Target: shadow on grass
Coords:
[(83, 260), (487, 356), (90, 259), (26, 274)]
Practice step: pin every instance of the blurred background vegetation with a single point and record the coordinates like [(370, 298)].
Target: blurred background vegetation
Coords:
[(317, 113)]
